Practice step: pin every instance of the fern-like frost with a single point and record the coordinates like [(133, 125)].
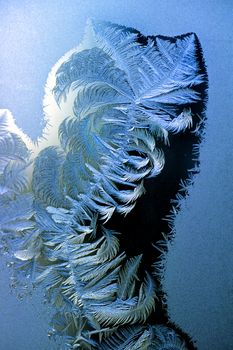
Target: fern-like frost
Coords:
[(117, 98)]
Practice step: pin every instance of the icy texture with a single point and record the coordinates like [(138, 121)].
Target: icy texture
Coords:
[(108, 104)]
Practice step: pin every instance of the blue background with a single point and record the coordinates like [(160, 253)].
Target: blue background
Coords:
[(198, 280)]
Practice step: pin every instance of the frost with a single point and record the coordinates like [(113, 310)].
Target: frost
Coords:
[(108, 105)]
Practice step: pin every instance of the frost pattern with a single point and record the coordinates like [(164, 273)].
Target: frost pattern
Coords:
[(108, 105)]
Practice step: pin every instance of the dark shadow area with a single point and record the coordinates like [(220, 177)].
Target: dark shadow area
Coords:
[(142, 228)]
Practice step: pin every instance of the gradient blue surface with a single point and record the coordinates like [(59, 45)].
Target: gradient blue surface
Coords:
[(34, 35)]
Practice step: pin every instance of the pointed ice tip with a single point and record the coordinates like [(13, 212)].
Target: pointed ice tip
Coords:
[(96, 22), (93, 22), (6, 116), (97, 25), (89, 22), (3, 111), (191, 36)]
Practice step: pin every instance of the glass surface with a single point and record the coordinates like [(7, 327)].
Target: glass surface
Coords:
[(198, 280)]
